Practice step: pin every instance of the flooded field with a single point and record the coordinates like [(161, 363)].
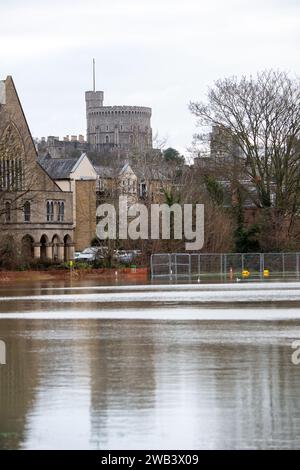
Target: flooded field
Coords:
[(150, 367)]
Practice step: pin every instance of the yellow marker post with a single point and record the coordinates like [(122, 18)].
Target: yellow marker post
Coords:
[(245, 273), (266, 273), (71, 263)]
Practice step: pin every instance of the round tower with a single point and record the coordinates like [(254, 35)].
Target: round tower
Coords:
[(124, 127)]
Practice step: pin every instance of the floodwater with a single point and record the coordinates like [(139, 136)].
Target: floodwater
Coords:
[(150, 367)]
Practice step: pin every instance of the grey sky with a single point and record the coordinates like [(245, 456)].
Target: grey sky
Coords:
[(158, 53)]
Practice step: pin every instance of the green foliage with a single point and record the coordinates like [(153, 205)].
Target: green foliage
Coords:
[(246, 239), (9, 256), (98, 263), (171, 198), (214, 189), (82, 265), (172, 155)]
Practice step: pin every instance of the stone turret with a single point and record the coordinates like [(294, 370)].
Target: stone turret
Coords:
[(94, 99)]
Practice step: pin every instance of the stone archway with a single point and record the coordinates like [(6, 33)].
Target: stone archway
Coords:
[(56, 254), (44, 241), (68, 248), (27, 248)]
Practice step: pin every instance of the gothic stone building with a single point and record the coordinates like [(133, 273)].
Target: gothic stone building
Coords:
[(33, 208)]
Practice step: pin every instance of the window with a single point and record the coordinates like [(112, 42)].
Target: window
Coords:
[(107, 139), (61, 211), (7, 212), (100, 184), (50, 211), (143, 190), (27, 211)]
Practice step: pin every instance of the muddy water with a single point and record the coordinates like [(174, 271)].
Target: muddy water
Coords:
[(149, 367)]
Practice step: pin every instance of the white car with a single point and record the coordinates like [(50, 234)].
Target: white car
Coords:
[(90, 254)]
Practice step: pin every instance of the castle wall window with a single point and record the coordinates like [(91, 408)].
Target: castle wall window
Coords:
[(107, 139), (27, 211)]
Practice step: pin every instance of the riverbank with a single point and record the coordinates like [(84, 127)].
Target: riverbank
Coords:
[(60, 274)]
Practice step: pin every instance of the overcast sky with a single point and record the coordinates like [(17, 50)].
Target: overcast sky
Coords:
[(157, 53)]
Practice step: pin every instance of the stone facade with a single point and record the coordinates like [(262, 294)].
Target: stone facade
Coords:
[(85, 232), (138, 185), (33, 209), (111, 127), (68, 147), (77, 175)]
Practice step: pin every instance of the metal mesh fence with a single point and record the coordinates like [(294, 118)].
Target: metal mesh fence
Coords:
[(225, 266)]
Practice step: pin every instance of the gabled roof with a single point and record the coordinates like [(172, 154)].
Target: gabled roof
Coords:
[(112, 171), (60, 168), (57, 168)]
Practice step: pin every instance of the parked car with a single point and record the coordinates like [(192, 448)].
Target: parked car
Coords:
[(90, 254), (128, 256)]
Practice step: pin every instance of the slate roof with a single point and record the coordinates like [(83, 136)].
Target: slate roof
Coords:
[(58, 168), (111, 172)]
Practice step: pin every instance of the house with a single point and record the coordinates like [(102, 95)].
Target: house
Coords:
[(115, 181), (78, 176)]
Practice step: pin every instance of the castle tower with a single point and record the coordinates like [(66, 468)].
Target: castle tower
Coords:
[(111, 127)]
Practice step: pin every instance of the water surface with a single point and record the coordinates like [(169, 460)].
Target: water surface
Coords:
[(195, 367)]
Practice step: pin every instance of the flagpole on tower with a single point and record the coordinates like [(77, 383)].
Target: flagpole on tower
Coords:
[(94, 76)]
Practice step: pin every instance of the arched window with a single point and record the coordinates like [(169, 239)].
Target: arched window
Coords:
[(107, 139), (61, 211), (131, 139), (50, 211), (27, 211), (7, 211)]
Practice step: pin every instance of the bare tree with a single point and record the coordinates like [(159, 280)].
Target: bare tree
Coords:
[(262, 118), (259, 122)]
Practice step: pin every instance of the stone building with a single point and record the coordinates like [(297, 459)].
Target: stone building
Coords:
[(69, 147), (139, 184), (122, 127), (34, 210), (115, 181), (79, 176)]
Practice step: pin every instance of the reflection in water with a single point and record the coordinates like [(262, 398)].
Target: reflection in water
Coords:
[(147, 383)]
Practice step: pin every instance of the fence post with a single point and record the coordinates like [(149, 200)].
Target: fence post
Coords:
[(151, 266), (243, 267), (297, 265), (261, 265), (170, 266), (283, 265), (199, 266), (225, 266), (190, 267)]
